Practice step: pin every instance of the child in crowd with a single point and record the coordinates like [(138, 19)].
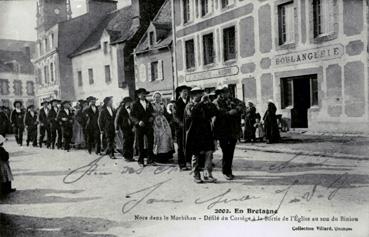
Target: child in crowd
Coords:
[(259, 131), (6, 175)]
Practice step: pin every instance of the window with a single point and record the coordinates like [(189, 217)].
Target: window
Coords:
[(287, 92), (40, 50), (105, 47), (39, 76), (186, 11), (323, 14), (79, 78), (208, 44), (190, 54), (90, 76), (107, 74), (226, 3), (52, 40), (204, 7), (4, 87), (314, 91), (286, 23), (30, 88), (46, 74), (154, 71), (229, 43), (151, 38), (52, 72), (46, 45), (17, 87)]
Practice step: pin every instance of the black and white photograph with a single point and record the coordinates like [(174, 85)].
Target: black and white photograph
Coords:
[(178, 118)]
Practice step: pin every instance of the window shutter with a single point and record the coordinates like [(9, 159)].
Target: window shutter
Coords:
[(290, 19), (149, 72), (330, 21), (160, 70)]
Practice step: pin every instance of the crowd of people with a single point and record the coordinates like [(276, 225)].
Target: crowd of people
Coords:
[(196, 121)]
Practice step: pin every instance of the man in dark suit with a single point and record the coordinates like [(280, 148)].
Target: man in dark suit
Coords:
[(55, 129), (142, 117), (30, 122), (65, 119), (106, 124), (16, 119), (178, 116), (4, 121), (125, 124), (92, 130), (44, 124)]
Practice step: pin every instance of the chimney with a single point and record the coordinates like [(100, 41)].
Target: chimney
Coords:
[(144, 11), (135, 13), (101, 7)]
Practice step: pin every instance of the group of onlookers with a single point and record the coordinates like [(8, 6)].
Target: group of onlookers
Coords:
[(197, 121)]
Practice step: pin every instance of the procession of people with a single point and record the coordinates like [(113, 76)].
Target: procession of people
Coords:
[(196, 121)]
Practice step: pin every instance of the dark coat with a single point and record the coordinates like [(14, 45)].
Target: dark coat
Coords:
[(43, 117), (270, 124), (16, 118), (91, 119), (250, 120), (199, 134), (106, 122), (29, 121), (52, 118), (123, 120), (179, 112), (65, 120), (4, 123), (140, 114)]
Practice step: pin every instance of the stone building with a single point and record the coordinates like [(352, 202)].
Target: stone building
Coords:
[(153, 55), (59, 35), (17, 78), (309, 56)]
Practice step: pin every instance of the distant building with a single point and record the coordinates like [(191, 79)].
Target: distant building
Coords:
[(17, 79), (153, 55), (59, 35), (309, 56), (103, 65)]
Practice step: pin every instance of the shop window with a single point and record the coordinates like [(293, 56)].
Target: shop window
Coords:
[(90, 76), (4, 87), (208, 47), (323, 14), (190, 54), (287, 93), (186, 11), (107, 74), (30, 88), (232, 89), (229, 43), (286, 21), (17, 87), (314, 91), (79, 76)]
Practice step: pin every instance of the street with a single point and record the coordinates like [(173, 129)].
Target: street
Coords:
[(77, 194)]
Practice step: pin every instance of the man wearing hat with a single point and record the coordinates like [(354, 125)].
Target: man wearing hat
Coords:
[(91, 115), (124, 123), (142, 117), (65, 119), (55, 129), (106, 124), (30, 122), (44, 124), (16, 119), (227, 126), (178, 116), (4, 121)]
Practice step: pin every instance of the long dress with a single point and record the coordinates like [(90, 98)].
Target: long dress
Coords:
[(5, 171), (250, 119), (78, 131), (163, 141), (271, 129)]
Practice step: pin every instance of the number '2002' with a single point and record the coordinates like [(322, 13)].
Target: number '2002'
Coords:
[(222, 211)]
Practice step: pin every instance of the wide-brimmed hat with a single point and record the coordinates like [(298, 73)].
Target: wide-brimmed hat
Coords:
[(127, 100), (141, 90), (82, 101), (196, 89), (17, 102), (88, 99), (2, 139), (182, 87), (30, 106), (107, 99), (44, 102), (55, 100), (66, 102), (221, 89)]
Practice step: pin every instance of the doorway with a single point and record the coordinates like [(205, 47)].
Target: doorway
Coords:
[(299, 94)]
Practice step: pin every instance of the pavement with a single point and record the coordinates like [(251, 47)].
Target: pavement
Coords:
[(77, 194)]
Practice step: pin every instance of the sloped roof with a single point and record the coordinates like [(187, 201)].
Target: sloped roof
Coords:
[(117, 24), (163, 23), (25, 63)]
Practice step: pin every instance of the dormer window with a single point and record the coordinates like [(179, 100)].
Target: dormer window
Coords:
[(105, 47), (151, 38)]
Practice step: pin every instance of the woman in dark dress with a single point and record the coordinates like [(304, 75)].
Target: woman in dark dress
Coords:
[(250, 119), (271, 124), (6, 175)]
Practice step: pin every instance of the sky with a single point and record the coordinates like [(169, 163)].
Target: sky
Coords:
[(18, 17)]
